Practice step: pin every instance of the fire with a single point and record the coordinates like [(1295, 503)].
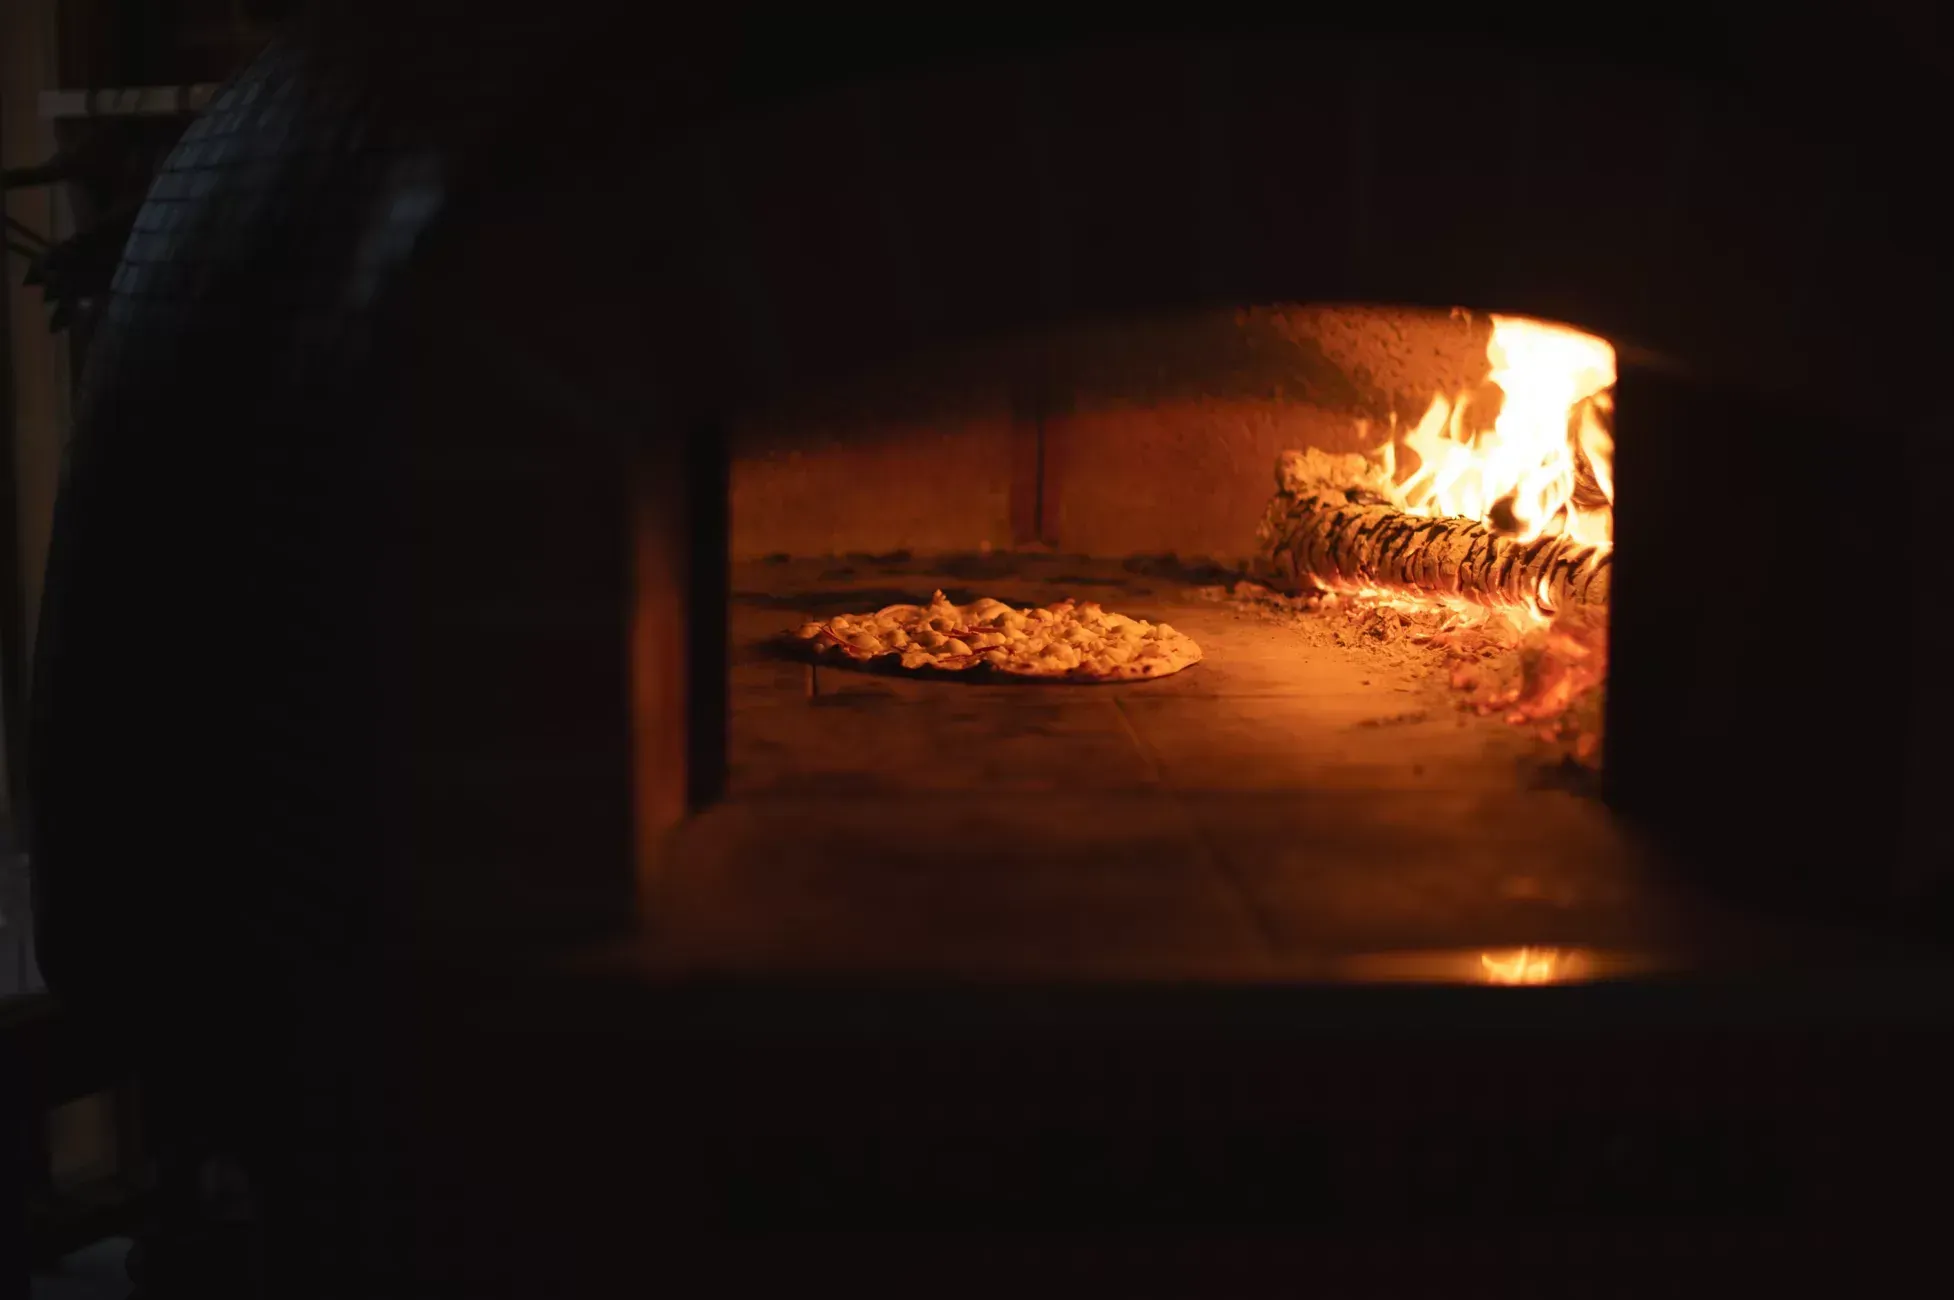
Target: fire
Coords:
[(1521, 966), (1545, 466)]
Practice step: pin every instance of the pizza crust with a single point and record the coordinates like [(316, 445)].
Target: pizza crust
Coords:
[(1070, 640)]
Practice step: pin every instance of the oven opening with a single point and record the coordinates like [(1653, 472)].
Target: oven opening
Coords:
[(1260, 641)]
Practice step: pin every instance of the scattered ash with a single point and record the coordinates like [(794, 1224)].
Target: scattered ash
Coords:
[(1550, 682), (1389, 631), (1191, 570), (1547, 678), (1397, 719), (841, 600), (1137, 574), (979, 566)]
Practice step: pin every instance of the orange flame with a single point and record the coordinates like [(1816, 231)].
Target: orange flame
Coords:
[(1521, 966), (1522, 475)]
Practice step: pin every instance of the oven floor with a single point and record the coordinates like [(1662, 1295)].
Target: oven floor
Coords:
[(1265, 711), (1282, 810)]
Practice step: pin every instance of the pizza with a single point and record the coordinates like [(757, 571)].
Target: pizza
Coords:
[(1070, 640)]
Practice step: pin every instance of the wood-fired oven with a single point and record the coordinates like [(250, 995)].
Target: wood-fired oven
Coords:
[(519, 426)]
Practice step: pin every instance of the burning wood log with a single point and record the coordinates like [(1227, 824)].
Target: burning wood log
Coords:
[(1332, 527)]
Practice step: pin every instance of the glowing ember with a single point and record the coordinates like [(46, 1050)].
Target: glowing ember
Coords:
[(1545, 466), (1521, 966), (1557, 690)]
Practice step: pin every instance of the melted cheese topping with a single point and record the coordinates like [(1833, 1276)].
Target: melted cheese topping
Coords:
[(1068, 639)]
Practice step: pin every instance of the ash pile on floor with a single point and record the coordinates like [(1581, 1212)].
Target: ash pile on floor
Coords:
[(1546, 677)]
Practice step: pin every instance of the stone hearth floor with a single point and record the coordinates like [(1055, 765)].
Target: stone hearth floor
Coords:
[(1282, 810)]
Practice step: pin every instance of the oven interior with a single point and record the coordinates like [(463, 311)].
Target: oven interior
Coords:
[(1356, 782)]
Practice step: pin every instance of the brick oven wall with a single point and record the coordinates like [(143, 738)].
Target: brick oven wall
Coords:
[(1112, 439), (934, 485)]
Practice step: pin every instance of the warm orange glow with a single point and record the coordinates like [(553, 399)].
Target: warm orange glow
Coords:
[(1521, 966), (1523, 474)]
